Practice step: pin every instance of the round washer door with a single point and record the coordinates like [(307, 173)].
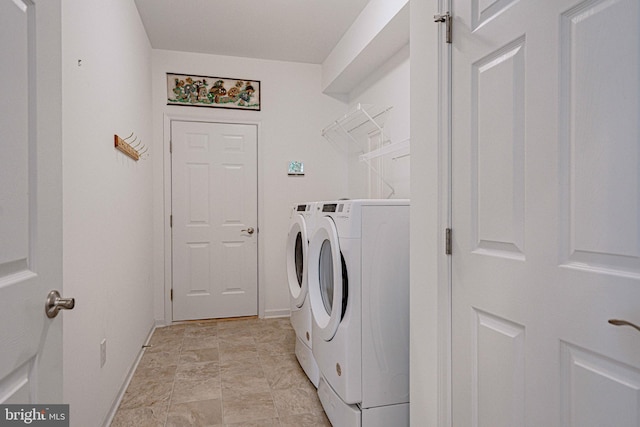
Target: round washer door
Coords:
[(328, 283), (297, 252)]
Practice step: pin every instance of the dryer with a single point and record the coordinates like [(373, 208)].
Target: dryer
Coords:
[(301, 226), (359, 294)]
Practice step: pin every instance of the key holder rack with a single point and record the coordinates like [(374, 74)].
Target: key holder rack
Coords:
[(129, 147)]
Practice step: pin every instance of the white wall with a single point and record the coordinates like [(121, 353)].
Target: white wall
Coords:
[(387, 87), (293, 113), (107, 201), (381, 29)]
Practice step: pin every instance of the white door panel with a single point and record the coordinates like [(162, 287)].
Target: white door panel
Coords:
[(545, 213), (600, 152), (30, 209), (214, 203)]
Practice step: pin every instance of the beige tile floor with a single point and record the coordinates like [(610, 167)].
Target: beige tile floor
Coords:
[(221, 373)]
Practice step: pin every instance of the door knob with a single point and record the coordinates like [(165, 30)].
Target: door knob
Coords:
[(618, 322), (54, 304), (249, 230)]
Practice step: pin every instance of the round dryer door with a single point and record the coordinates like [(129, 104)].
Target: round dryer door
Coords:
[(297, 250), (328, 283)]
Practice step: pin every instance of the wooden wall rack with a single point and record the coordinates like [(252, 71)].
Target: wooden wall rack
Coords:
[(134, 151)]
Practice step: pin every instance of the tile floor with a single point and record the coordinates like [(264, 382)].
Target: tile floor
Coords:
[(221, 373)]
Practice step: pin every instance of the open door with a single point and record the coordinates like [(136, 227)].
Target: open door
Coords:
[(546, 208), (30, 201)]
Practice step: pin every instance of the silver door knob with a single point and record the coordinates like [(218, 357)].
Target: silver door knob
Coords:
[(249, 230), (55, 303)]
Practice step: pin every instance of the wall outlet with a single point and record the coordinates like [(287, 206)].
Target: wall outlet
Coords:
[(103, 352)]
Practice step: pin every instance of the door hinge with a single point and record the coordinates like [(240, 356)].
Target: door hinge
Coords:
[(446, 18), (170, 221), (447, 241), (171, 294)]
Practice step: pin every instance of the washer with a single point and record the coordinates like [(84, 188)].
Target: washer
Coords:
[(302, 221), (359, 294)]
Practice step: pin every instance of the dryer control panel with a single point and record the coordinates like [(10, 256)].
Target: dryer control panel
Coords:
[(336, 207)]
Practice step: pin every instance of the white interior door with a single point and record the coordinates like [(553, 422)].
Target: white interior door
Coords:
[(30, 201), (546, 213), (214, 204)]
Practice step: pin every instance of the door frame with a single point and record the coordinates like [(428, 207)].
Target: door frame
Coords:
[(430, 213), (167, 176), (445, 261)]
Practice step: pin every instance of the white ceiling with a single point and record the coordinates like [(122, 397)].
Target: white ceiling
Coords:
[(285, 30)]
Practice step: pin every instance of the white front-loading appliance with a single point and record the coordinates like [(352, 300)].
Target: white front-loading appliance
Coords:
[(301, 227), (359, 294)]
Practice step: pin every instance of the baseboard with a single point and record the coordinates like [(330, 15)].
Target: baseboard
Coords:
[(269, 314), (161, 323), (116, 403)]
